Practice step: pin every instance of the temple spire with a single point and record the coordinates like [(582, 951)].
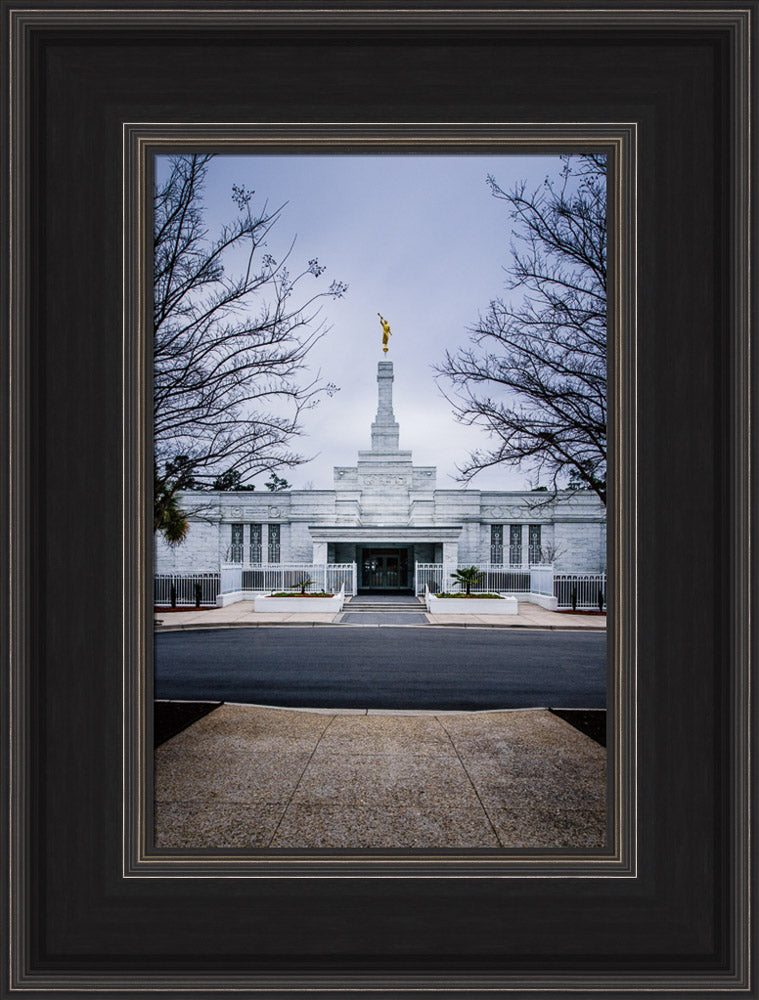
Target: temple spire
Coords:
[(384, 428)]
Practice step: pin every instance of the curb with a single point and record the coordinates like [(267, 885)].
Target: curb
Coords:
[(231, 625), (397, 712)]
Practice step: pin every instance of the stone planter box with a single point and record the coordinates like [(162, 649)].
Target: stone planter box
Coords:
[(472, 606), (298, 605)]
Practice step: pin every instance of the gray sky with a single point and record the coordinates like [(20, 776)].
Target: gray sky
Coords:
[(419, 239)]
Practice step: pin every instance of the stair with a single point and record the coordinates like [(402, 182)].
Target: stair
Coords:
[(364, 606)]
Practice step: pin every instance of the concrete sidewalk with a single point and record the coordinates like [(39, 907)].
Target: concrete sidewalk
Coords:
[(243, 615), (250, 777)]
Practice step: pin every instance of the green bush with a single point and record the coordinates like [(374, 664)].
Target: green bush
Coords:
[(466, 577), (285, 593)]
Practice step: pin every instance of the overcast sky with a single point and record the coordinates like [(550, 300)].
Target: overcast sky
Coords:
[(418, 238)]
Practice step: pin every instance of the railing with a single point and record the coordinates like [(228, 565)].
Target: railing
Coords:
[(429, 576), (175, 589), (495, 579), (580, 590), (271, 577)]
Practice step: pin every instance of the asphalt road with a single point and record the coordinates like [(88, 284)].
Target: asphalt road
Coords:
[(391, 668)]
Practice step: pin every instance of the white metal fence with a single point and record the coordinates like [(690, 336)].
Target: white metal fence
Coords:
[(430, 576), (186, 589), (495, 579), (580, 590), (272, 577)]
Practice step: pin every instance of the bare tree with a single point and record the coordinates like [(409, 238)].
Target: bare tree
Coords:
[(550, 552), (534, 374), (230, 342)]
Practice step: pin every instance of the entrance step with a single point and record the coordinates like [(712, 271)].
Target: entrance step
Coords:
[(384, 610), (384, 607)]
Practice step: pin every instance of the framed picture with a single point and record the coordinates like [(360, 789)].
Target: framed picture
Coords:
[(94, 96), (387, 527)]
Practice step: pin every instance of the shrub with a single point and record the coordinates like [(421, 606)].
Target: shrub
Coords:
[(466, 577)]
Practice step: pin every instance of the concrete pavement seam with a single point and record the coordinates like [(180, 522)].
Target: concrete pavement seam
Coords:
[(300, 779), (474, 787)]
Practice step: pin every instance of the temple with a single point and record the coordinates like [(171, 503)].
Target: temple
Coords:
[(386, 517)]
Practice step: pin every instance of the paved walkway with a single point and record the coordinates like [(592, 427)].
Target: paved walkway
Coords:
[(248, 777), (243, 615)]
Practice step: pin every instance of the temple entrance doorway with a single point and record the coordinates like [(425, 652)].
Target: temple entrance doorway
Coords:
[(385, 571)]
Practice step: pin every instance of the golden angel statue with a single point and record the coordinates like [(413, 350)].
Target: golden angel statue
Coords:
[(385, 332)]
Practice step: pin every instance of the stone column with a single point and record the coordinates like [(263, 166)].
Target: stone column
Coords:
[(320, 553), (385, 392), (450, 563), (384, 428)]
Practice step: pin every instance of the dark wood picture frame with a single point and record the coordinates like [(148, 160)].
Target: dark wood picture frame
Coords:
[(668, 909)]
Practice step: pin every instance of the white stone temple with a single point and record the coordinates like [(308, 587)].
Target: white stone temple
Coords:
[(386, 515)]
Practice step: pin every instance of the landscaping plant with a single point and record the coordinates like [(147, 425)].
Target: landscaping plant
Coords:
[(466, 577)]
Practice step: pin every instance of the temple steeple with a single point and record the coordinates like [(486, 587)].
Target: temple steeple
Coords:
[(380, 488), (385, 428)]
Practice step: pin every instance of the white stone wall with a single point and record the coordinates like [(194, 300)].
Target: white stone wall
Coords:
[(579, 548), (301, 546), (199, 553), (573, 523), (470, 544)]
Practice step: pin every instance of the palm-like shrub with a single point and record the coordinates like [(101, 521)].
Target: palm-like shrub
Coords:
[(466, 577), (170, 520), (303, 584)]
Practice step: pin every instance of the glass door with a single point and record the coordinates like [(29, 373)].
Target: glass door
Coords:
[(384, 569), (390, 572)]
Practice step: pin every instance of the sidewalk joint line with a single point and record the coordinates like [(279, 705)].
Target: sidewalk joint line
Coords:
[(471, 782), (300, 779)]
